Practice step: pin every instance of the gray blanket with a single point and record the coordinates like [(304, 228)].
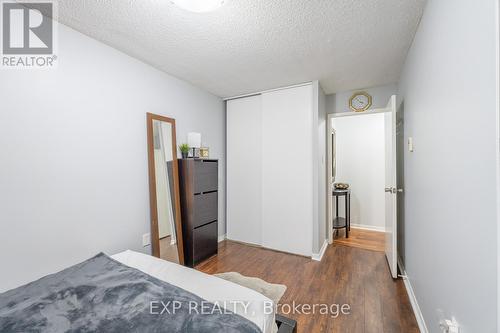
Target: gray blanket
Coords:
[(103, 295)]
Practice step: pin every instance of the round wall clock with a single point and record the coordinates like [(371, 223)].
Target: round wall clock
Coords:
[(360, 101)]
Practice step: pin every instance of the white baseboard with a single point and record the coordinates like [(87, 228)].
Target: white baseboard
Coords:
[(319, 256), (368, 227), (221, 238), (413, 299)]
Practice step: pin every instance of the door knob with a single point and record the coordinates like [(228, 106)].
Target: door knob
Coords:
[(393, 190)]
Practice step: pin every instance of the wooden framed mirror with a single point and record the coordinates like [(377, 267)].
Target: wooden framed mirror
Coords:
[(166, 227)]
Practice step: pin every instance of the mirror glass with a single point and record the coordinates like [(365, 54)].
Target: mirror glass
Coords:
[(164, 234)]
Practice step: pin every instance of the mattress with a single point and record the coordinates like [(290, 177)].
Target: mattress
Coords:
[(241, 300)]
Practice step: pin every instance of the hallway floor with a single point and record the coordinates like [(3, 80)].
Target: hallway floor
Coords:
[(362, 239)]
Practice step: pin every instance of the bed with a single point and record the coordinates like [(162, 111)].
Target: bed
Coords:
[(116, 294), (206, 286)]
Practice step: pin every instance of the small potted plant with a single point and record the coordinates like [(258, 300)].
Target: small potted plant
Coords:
[(184, 148)]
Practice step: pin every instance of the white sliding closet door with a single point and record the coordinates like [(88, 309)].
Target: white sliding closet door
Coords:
[(244, 169), (287, 169)]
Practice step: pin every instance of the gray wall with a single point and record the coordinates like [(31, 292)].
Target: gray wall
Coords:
[(73, 171), (448, 88)]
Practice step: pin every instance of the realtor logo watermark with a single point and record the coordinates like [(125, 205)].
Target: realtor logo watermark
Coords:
[(169, 307), (28, 35)]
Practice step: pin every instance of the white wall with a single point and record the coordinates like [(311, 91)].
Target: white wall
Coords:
[(339, 102), (319, 168), (322, 181), (73, 171), (360, 151), (449, 91)]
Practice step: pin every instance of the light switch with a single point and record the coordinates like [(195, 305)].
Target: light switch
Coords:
[(410, 144)]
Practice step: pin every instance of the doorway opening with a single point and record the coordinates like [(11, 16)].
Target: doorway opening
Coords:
[(362, 157)]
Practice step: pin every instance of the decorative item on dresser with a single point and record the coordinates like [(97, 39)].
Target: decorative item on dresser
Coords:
[(199, 208), (194, 142), (204, 152), (184, 148)]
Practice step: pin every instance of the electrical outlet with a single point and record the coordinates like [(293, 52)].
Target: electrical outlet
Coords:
[(146, 239)]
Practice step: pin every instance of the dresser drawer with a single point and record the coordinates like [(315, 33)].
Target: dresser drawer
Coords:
[(205, 208), (206, 176), (204, 242)]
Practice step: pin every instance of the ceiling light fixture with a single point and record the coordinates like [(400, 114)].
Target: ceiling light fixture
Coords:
[(198, 6)]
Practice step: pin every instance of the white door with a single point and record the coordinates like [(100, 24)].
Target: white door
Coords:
[(244, 169), (287, 169), (391, 191)]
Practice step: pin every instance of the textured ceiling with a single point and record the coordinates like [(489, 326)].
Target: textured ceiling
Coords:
[(252, 45)]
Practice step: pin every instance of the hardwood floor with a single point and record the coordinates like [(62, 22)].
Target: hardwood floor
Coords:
[(363, 239), (346, 275)]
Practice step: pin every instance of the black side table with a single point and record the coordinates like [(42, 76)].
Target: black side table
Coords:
[(342, 222)]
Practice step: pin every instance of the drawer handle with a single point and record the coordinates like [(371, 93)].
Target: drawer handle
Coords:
[(204, 224), (213, 191)]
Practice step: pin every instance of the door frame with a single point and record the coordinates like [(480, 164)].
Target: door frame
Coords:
[(329, 177)]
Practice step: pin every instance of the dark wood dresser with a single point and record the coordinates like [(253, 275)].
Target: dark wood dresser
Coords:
[(198, 185)]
